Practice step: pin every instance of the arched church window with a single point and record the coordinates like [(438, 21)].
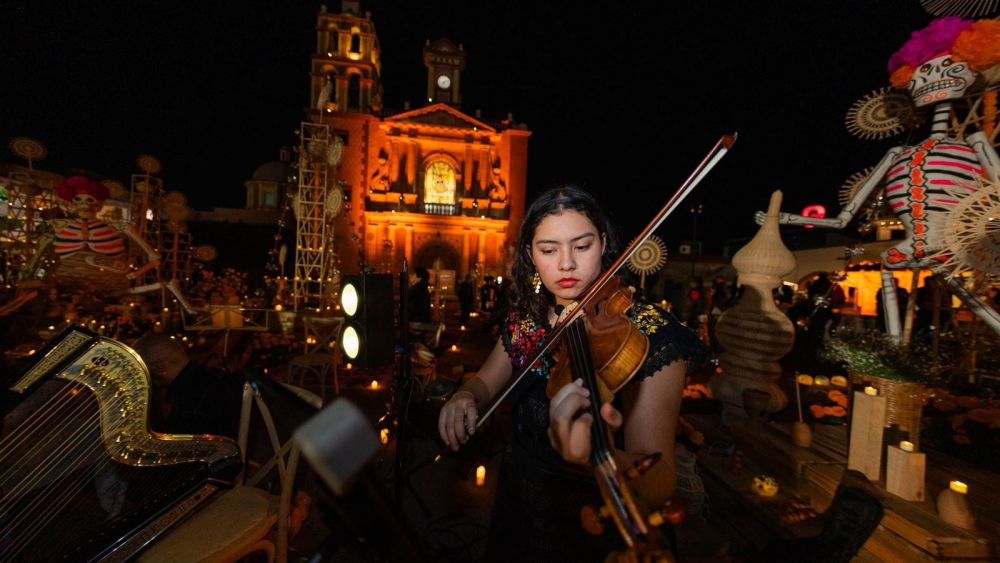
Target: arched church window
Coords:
[(439, 183), (331, 77), (354, 92), (334, 46)]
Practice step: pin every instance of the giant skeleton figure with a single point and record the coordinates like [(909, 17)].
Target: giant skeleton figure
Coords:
[(926, 181), (91, 253)]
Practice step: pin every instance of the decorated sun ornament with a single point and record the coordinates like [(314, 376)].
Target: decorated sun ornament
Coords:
[(116, 189), (877, 210), (28, 149), (971, 234), (881, 114), (648, 258), (928, 180), (964, 8), (853, 183), (148, 163)]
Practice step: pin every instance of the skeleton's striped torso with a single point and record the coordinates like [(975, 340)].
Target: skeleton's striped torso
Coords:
[(923, 181)]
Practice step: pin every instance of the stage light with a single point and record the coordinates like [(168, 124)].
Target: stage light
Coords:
[(349, 299), (369, 331), (352, 343)]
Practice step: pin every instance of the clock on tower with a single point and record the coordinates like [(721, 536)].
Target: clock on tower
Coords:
[(444, 61)]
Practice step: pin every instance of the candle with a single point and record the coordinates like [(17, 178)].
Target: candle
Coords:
[(959, 487), (871, 391), (454, 347), (374, 384), (278, 307), (384, 436), (463, 327), (480, 475), (906, 446)]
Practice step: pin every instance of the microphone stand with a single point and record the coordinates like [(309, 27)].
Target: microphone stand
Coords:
[(403, 397)]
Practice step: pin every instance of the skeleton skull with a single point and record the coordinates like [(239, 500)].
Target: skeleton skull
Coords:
[(85, 205), (939, 79)]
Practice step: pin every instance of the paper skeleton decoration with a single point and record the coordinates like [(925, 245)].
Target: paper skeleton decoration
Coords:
[(926, 181)]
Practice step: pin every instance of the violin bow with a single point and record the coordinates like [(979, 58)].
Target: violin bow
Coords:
[(713, 157)]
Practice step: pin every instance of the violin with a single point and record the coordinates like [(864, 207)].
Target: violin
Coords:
[(618, 349), (598, 343), (599, 295), (637, 527)]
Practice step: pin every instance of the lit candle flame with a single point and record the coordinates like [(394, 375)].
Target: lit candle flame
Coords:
[(959, 487), (374, 384), (384, 436), (906, 446), (480, 475), (871, 391)]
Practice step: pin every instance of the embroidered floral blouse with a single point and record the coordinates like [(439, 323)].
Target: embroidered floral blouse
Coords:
[(521, 335)]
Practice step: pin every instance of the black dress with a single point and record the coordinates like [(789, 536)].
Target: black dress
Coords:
[(536, 516)]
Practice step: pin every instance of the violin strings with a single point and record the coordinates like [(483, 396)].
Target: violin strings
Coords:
[(604, 470), (584, 367)]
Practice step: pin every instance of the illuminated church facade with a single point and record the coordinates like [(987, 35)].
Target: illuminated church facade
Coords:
[(441, 188)]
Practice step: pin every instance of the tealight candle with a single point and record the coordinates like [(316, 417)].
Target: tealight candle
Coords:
[(906, 446), (480, 475), (959, 487), (871, 391)]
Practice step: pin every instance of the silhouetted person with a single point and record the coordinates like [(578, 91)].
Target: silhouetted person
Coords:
[(466, 297), (188, 398), (418, 296), (902, 299), (486, 294), (933, 291)]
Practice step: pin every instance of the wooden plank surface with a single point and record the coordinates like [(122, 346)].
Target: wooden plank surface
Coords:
[(910, 531)]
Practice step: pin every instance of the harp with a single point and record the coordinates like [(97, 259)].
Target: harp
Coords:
[(82, 478)]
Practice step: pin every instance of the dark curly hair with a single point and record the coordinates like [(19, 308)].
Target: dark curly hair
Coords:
[(554, 202)]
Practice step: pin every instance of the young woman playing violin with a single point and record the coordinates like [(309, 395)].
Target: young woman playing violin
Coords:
[(566, 243)]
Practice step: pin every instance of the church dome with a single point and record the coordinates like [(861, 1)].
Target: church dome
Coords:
[(275, 171)]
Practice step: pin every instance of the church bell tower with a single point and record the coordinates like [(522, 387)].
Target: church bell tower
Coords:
[(445, 62)]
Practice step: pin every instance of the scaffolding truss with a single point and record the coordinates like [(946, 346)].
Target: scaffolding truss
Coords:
[(314, 256)]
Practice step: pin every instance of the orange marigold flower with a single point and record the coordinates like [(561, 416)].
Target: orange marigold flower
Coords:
[(901, 76)]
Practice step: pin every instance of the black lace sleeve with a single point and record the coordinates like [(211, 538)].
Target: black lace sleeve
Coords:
[(507, 330), (669, 340)]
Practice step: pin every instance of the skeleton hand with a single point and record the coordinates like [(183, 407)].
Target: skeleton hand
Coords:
[(783, 218)]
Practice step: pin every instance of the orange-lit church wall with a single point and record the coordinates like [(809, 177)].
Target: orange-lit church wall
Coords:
[(385, 159)]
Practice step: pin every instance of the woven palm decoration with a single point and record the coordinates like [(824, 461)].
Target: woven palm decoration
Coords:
[(964, 8), (971, 232), (648, 258), (881, 114), (28, 149), (148, 164)]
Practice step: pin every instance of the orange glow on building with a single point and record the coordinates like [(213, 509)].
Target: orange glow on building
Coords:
[(432, 185)]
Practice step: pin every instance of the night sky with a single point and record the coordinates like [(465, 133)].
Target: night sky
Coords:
[(623, 98)]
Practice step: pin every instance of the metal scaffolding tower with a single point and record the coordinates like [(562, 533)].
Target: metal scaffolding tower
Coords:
[(314, 256)]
